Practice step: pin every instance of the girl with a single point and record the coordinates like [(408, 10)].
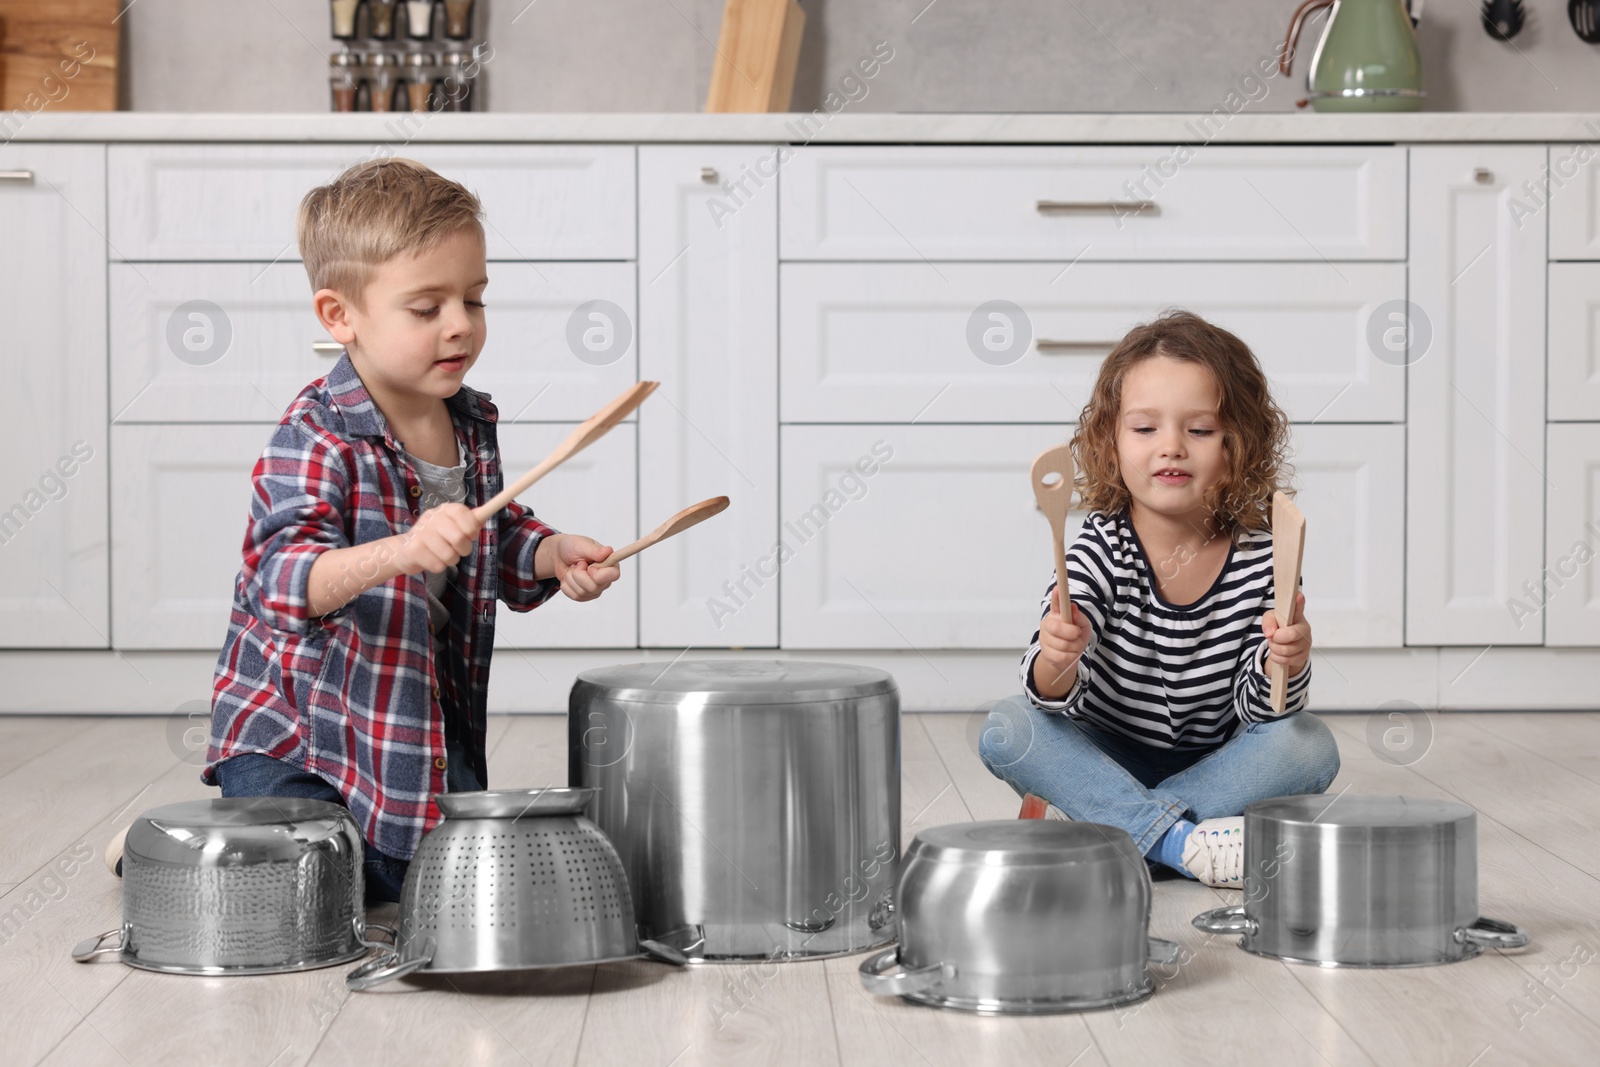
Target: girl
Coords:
[(1149, 708)]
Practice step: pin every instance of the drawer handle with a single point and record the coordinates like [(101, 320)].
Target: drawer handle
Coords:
[(1098, 207), (327, 348), (22, 177), (1048, 347)]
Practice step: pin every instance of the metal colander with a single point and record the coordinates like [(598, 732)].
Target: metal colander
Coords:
[(511, 879)]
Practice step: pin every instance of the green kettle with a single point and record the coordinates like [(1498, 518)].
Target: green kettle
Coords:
[(1367, 59)]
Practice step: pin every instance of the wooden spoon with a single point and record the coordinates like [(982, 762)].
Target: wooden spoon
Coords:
[(1054, 498), (1288, 547), (689, 516), (597, 426)]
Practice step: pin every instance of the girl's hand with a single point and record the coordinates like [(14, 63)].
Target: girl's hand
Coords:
[(575, 560), (1289, 645), (1062, 642)]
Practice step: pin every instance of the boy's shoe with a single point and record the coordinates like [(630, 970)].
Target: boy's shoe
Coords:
[(1036, 807), (114, 851), (1214, 852)]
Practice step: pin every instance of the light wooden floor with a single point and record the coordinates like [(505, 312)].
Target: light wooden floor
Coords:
[(69, 783)]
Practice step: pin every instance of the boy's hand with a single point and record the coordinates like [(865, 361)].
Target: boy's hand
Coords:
[(1289, 645), (1062, 642), (575, 560), (437, 540)]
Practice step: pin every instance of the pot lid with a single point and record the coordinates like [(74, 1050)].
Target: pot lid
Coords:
[(736, 681), (514, 803), (1024, 842), (1357, 810)]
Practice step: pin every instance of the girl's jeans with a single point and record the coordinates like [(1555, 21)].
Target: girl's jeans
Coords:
[(1095, 776)]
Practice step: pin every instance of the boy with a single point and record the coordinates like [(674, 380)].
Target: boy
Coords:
[(356, 664)]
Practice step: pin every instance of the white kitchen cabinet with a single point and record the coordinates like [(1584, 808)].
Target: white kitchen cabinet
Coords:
[(54, 589), (1350, 484), (239, 202), (237, 342), (922, 203), (591, 494), (1574, 341), (181, 507), (1568, 596), (1574, 205), (708, 305), (1475, 412), (890, 342)]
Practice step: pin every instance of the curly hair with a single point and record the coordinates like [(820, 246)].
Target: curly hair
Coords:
[(1255, 431)]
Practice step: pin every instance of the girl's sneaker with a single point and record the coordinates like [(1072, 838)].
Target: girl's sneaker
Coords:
[(1036, 807), (1214, 852)]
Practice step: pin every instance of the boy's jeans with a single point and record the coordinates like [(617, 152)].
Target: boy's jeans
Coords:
[(1095, 776)]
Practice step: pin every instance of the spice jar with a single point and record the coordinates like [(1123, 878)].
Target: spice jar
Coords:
[(380, 19), (344, 77), (383, 75), (460, 76), (458, 19), (344, 18), (419, 19), (421, 71)]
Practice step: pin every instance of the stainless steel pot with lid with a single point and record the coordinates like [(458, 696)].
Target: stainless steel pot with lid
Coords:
[(241, 885), (1021, 916), (756, 802), (511, 879), (1361, 881)]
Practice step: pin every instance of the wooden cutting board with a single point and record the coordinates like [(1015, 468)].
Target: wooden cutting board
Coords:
[(758, 50), (59, 55)]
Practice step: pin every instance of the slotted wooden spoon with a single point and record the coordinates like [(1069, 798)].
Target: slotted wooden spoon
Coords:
[(596, 427), (1288, 547), (1055, 497), (692, 515)]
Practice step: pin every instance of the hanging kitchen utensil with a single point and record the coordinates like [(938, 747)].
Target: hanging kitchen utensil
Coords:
[(597, 426), (1288, 549), (1052, 475), (689, 516), (1502, 19), (1367, 59), (1585, 18)]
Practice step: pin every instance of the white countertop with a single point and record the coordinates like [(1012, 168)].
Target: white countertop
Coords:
[(823, 128)]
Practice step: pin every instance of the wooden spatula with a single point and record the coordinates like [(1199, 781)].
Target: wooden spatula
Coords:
[(692, 515), (1288, 546), (597, 426), (1054, 498)]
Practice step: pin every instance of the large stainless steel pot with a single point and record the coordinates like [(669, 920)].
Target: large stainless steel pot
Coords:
[(757, 802), (511, 879), (1021, 916), (242, 885), (1361, 881)]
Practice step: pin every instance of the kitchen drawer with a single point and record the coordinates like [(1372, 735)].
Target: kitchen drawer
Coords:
[(1570, 598), (886, 342), (1574, 178), (1574, 341), (1225, 202), (239, 202), (233, 342)]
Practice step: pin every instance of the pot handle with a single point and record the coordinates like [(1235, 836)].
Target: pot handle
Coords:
[(364, 928), (660, 950), (1163, 951), (89, 948), (1492, 933), (1225, 921), (386, 967), (902, 982)]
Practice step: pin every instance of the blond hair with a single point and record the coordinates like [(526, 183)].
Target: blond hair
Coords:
[(374, 212), (1255, 431)]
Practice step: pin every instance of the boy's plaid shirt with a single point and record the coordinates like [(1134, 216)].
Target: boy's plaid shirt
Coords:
[(352, 695)]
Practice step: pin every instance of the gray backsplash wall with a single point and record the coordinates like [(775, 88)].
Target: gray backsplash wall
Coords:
[(949, 55)]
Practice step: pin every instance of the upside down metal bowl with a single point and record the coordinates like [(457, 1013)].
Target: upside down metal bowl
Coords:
[(1361, 881), (512, 879), (241, 885), (1021, 916)]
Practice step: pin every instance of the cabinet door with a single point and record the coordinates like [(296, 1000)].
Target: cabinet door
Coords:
[(591, 494), (1569, 600), (1574, 341), (1350, 483), (708, 306), (180, 509), (237, 342), (912, 537), (1475, 402), (53, 538)]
